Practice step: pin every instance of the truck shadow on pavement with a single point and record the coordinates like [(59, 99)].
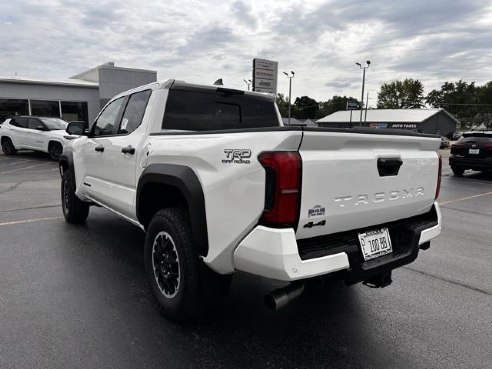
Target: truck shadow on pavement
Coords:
[(27, 154), (317, 330)]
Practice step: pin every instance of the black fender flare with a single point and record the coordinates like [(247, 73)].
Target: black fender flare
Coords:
[(185, 180), (65, 162)]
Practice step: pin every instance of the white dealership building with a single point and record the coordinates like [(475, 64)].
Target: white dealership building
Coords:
[(76, 98)]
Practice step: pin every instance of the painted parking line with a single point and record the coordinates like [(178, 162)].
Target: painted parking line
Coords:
[(41, 170), (12, 162), (29, 221), (465, 198), (31, 208), (29, 167), (56, 169)]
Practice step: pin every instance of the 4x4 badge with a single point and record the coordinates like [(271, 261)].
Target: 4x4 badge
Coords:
[(311, 224)]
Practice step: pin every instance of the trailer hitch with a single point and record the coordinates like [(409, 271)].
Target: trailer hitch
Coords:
[(379, 281)]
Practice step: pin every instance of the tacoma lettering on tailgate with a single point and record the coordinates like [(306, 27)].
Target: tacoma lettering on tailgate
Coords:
[(364, 198)]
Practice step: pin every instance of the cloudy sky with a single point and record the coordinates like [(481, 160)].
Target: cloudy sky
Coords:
[(200, 41)]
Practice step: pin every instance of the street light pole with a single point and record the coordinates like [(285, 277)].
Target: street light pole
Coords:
[(248, 82), (290, 88), (368, 63)]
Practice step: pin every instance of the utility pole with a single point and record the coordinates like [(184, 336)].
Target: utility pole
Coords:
[(367, 105), (290, 76)]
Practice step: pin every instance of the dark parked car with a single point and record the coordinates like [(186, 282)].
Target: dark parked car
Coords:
[(472, 151)]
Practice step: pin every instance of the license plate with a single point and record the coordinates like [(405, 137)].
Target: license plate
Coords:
[(474, 151), (375, 243)]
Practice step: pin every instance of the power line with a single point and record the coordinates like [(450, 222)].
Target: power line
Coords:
[(459, 104)]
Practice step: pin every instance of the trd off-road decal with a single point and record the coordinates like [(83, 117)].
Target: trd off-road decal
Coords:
[(237, 156)]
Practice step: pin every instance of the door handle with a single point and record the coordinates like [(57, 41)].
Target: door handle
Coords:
[(128, 150), (99, 148), (389, 166)]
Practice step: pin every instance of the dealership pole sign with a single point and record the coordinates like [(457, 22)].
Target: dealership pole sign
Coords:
[(265, 76), (352, 105)]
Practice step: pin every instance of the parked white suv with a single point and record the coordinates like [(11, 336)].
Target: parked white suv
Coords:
[(34, 133)]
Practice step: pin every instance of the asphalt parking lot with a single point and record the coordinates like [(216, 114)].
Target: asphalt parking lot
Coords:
[(77, 297)]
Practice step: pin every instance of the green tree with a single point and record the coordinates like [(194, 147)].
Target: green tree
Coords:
[(283, 105), (484, 94), (484, 98), (305, 108), (333, 105), (461, 99), (405, 94)]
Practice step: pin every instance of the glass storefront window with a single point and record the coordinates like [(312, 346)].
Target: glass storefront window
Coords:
[(70, 110), (10, 107), (73, 110), (42, 108)]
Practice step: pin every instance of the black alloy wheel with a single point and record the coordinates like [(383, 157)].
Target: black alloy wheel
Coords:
[(65, 197), (165, 261)]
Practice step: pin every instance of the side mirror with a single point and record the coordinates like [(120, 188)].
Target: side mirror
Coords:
[(40, 127), (75, 128)]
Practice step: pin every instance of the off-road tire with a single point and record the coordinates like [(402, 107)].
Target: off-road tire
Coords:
[(55, 149), (8, 147), (74, 210), (458, 171), (197, 285), (185, 303)]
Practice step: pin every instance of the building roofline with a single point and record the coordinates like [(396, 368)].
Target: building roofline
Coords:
[(448, 114), (36, 81), (110, 65), (345, 113)]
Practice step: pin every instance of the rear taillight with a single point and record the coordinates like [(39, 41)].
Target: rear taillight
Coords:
[(283, 188), (438, 188), (488, 146), (457, 146)]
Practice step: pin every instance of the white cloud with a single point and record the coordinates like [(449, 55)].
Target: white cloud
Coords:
[(200, 41)]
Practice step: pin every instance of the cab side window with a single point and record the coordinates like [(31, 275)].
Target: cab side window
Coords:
[(107, 119), (19, 122), (35, 124), (134, 112)]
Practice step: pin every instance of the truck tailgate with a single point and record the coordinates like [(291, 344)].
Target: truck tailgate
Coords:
[(356, 180)]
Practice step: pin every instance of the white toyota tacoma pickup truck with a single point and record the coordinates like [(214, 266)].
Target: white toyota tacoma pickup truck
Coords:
[(219, 185)]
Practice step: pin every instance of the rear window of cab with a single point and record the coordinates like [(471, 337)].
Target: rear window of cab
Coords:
[(209, 110)]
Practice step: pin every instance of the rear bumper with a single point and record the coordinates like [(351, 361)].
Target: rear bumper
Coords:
[(276, 254), (273, 253), (470, 162), (428, 234)]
